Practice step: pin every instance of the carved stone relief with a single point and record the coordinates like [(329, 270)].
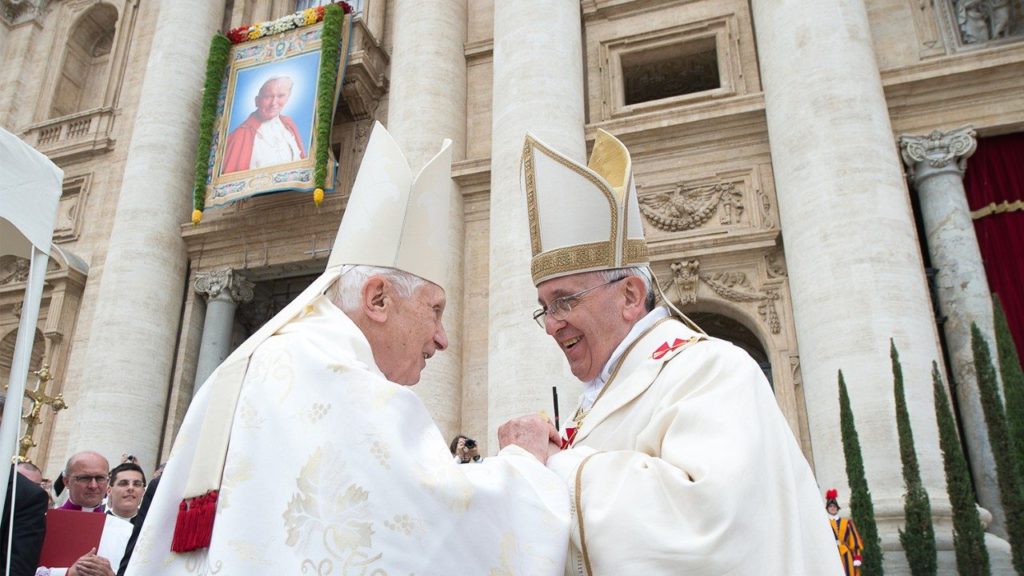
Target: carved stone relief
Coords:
[(982, 21), (734, 286), (228, 283), (13, 269), (14, 11), (689, 208), (937, 150)]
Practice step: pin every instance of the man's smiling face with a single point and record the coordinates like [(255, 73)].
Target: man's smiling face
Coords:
[(594, 327)]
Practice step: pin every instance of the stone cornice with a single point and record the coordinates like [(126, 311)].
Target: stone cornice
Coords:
[(955, 64), (711, 112)]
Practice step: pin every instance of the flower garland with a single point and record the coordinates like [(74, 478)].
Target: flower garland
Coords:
[(306, 17), (214, 77)]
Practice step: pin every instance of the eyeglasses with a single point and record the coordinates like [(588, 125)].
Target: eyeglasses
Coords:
[(126, 483), (86, 480), (560, 307)]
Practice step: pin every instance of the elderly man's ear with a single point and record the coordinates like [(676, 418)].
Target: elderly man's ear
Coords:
[(376, 298), (634, 293)]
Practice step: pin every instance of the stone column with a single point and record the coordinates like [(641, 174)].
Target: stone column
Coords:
[(224, 290), (935, 165), (856, 272), (538, 87), (427, 104), (129, 360)]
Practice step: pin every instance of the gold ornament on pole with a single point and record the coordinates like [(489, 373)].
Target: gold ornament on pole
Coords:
[(39, 399)]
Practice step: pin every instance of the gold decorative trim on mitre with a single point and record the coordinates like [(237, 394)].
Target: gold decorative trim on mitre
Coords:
[(581, 217)]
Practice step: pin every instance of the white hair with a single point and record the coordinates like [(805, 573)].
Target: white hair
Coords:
[(643, 273), (272, 79), (347, 292)]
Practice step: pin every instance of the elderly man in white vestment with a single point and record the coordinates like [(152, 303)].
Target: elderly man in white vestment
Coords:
[(304, 453), (678, 459)]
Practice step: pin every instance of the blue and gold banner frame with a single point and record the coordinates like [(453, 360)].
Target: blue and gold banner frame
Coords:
[(267, 134)]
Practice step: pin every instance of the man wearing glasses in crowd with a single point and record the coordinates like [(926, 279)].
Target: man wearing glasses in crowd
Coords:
[(88, 476), (127, 485)]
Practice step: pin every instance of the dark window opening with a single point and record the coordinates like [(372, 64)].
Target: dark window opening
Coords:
[(668, 71)]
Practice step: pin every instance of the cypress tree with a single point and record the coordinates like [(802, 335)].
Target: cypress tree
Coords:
[(999, 439), (1013, 385), (968, 535), (918, 539), (861, 509)]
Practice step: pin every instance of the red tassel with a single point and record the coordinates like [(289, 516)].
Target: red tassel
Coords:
[(194, 527), (177, 544)]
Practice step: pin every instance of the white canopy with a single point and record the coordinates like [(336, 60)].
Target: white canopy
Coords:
[(30, 188)]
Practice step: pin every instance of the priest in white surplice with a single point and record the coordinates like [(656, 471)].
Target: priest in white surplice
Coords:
[(304, 454), (679, 460)]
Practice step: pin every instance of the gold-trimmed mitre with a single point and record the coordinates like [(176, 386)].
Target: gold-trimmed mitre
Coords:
[(395, 220), (582, 218)]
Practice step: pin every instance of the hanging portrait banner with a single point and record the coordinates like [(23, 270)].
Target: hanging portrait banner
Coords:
[(270, 129)]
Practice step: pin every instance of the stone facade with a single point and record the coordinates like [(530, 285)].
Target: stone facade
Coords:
[(768, 167)]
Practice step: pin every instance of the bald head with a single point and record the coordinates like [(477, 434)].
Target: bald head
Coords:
[(30, 471), (86, 476)]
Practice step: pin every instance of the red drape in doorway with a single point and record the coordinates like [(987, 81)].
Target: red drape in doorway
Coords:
[(994, 182)]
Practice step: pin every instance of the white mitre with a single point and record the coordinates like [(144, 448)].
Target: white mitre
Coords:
[(391, 220), (582, 218)]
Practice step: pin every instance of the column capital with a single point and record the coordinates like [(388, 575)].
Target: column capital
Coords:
[(937, 152), (224, 284)]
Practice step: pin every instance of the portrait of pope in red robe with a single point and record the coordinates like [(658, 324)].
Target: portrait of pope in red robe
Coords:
[(267, 137)]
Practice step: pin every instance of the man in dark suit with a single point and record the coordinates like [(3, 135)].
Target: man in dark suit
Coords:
[(29, 526)]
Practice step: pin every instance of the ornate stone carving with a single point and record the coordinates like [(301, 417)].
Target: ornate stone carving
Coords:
[(689, 208), (766, 208), (13, 269), (15, 10), (685, 277), (775, 265), (226, 283), (794, 367), (937, 150), (981, 21), (732, 286)]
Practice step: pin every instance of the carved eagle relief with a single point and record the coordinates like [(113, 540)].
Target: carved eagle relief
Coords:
[(688, 208)]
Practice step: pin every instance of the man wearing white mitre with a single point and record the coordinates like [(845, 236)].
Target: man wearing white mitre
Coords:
[(304, 452), (678, 458)]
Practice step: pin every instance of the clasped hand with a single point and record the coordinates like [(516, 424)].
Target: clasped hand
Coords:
[(535, 434)]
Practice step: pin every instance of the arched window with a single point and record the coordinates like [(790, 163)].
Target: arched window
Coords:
[(83, 77)]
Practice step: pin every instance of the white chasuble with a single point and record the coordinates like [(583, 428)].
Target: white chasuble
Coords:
[(685, 466), (333, 470)]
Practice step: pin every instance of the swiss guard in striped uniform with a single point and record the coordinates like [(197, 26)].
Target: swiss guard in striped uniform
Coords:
[(847, 537)]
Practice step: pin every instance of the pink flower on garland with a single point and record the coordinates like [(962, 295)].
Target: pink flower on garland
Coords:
[(298, 19)]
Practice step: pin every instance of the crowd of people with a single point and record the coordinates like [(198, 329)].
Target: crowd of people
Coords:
[(309, 432), (85, 484)]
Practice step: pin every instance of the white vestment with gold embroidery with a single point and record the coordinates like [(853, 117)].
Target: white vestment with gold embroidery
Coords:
[(684, 465), (333, 470)]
